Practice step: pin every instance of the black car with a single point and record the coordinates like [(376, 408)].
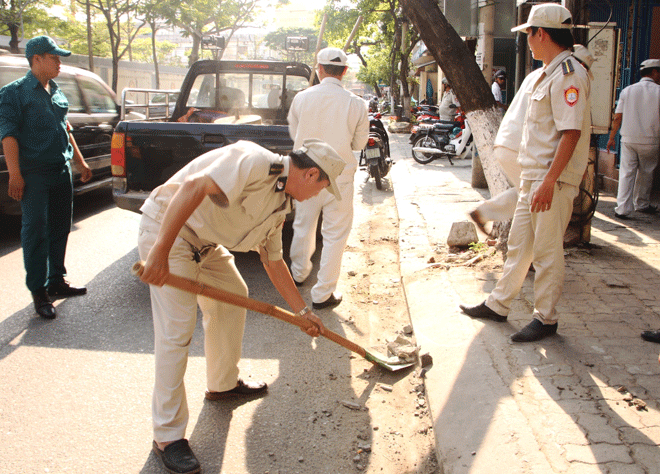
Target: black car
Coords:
[(93, 114)]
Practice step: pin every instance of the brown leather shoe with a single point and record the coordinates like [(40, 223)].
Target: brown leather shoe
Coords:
[(479, 222), (242, 389)]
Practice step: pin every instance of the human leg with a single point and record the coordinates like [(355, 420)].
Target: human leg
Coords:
[(519, 255), (174, 318), (223, 323), (502, 206), (336, 227), (303, 242), (34, 239), (549, 229), (647, 156), (627, 172), (60, 211)]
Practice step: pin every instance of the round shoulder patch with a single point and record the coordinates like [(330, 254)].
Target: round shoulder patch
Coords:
[(571, 95)]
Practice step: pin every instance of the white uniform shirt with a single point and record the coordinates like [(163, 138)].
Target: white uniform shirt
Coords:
[(330, 113), (256, 206), (509, 134), (444, 110), (559, 101), (497, 92), (640, 105)]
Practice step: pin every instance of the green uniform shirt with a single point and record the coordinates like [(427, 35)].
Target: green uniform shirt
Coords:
[(38, 121)]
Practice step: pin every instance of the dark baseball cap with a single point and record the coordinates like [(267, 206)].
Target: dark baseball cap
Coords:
[(43, 45)]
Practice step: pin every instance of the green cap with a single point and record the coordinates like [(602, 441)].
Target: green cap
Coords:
[(42, 45)]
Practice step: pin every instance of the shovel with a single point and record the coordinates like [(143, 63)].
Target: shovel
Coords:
[(392, 364)]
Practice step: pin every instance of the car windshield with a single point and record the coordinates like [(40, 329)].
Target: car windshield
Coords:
[(266, 95)]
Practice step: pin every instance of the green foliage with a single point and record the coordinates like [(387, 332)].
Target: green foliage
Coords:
[(478, 247), (276, 40)]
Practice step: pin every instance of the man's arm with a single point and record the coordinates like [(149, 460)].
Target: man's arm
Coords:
[(542, 199), (616, 125), (361, 135), (279, 274), (184, 202), (83, 168), (16, 183)]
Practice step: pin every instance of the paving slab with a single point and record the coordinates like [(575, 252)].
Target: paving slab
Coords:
[(563, 404)]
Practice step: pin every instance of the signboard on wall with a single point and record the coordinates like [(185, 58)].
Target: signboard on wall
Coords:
[(603, 46)]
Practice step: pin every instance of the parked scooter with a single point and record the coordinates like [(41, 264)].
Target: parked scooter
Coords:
[(376, 155), (441, 139)]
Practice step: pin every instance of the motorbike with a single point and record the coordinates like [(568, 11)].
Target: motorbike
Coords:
[(376, 155), (441, 139)]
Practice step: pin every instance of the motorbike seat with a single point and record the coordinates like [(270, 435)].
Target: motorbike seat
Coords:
[(443, 126)]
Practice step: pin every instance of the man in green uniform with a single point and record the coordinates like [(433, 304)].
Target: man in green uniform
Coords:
[(38, 147)]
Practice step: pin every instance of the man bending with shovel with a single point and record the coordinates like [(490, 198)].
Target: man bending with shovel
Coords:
[(234, 198)]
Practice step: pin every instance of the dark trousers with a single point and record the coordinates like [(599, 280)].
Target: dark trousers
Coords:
[(47, 206)]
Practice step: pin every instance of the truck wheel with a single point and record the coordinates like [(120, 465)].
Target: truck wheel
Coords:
[(424, 158), (374, 170)]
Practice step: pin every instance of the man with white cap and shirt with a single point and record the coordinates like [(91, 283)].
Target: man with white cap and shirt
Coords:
[(338, 117), (234, 198), (553, 156), (637, 114)]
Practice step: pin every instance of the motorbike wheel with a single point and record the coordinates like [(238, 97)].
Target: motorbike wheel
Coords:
[(424, 158), (374, 171)]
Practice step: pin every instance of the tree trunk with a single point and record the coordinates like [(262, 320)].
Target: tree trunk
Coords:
[(467, 80), (13, 42), (90, 44), (154, 28)]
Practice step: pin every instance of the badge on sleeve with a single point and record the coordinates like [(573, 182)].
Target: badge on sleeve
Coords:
[(571, 95)]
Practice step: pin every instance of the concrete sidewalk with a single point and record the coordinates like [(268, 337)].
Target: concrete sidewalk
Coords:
[(571, 403)]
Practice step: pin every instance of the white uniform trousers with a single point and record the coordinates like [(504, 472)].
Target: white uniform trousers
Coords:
[(175, 316), (636, 169), (502, 206), (536, 237), (336, 227)]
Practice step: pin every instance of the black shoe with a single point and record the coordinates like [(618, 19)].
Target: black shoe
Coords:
[(63, 289), (331, 302), (178, 458), (43, 304), (242, 389), (648, 210), (534, 331), (298, 283), (651, 336), (483, 312), (621, 216)]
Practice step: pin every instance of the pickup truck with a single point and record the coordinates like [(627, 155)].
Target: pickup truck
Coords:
[(220, 102)]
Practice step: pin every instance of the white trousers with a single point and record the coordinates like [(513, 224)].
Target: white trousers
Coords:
[(536, 237), (175, 316), (502, 206), (636, 169), (336, 227)]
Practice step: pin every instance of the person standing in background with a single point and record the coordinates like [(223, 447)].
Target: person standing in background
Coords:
[(38, 147), (637, 114), (499, 84), (330, 113)]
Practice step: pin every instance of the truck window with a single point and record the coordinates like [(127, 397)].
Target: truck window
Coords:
[(68, 85)]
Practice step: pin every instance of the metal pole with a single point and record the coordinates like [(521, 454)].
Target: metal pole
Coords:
[(319, 41)]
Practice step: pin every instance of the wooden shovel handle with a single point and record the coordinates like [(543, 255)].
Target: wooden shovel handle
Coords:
[(198, 288)]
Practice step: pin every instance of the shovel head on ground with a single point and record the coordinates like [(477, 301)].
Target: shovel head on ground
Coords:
[(198, 288)]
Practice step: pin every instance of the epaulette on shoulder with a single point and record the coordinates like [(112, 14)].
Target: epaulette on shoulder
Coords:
[(276, 168), (567, 67)]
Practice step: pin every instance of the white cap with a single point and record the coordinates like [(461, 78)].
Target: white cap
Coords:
[(547, 15), (650, 63), (326, 158), (582, 54), (332, 57)]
